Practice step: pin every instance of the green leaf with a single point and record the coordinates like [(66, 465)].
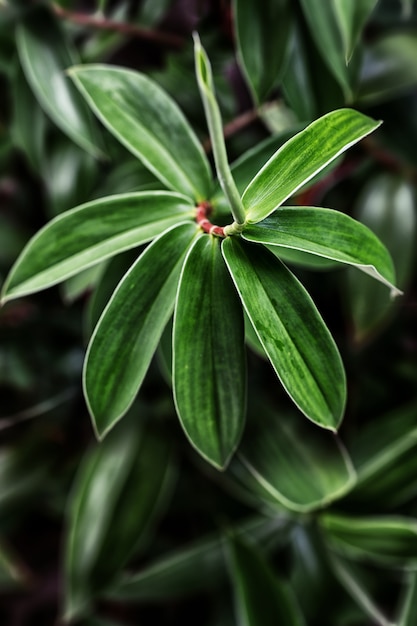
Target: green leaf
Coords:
[(387, 540), (209, 371), (303, 156), (12, 573), (119, 488), (70, 175), (262, 599), (45, 55), (128, 332), (309, 86), (384, 454), (262, 35), (388, 67), (351, 580), (149, 123), (408, 613), (324, 29), (328, 234), (300, 466), (294, 336), (352, 17), (29, 121), (194, 568), (387, 206), (91, 233)]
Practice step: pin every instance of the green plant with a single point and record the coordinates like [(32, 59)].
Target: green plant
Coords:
[(189, 280), (193, 263)]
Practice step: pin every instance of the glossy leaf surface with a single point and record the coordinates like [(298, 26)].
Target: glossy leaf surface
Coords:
[(209, 371), (149, 123), (130, 327), (119, 489), (261, 598), (195, 567), (262, 34), (91, 233), (45, 56), (328, 234), (294, 336), (301, 467), (389, 540), (303, 156)]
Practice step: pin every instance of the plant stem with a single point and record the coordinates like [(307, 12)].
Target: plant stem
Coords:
[(215, 126), (103, 23)]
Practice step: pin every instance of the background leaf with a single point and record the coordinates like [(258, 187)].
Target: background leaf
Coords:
[(388, 540), (325, 30), (352, 17), (128, 332), (195, 567), (209, 371), (261, 598), (302, 354), (388, 67), (384, 454), (408, 612), (262, 35), (386, 205), (149, 123), (45, 55), (300, 466), (125, 480)]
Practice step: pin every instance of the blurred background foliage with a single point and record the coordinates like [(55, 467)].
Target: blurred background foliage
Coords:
[(304, 528)]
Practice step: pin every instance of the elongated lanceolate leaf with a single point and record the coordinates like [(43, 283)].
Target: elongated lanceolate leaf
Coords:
[(385, 456), (324, 29), (262, 34), (209, 374), (328, 234), (196, 567), (408, 612), (387, 206), (300, 466), (303, 156), (129, 330), (294, 336), (390, 540), (45, 56), (354, 582), (261, 598), (91, 233), (351, 17), (149, 123), (119, 489)]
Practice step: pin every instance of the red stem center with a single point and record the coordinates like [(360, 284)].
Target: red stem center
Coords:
[(203, 211)]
